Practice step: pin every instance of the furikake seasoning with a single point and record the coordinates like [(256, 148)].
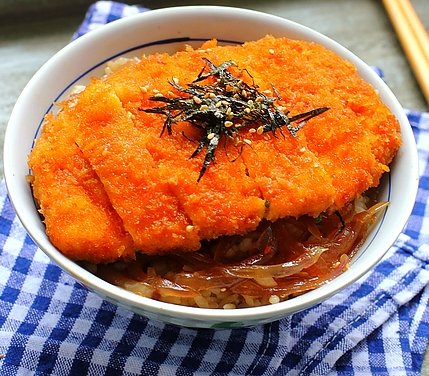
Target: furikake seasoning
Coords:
[(222, 107)]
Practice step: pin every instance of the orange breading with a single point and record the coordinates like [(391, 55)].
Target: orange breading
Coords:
[(118, 153), (225, 202), (79, 217), (148, 184), (289, 176)]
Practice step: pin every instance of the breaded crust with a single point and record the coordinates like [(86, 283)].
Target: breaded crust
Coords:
[(103, 155), (78, 215)]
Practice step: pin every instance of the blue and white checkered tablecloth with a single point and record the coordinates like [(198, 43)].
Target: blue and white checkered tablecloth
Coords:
[(50, 325)]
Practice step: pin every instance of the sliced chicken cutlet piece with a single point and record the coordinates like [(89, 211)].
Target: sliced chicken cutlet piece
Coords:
[(226, 201), (289, 176), (345, 152), (357, 138), (118, 153), (79, 218)]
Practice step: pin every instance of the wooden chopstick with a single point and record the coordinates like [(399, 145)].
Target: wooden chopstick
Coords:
[(413, 37)]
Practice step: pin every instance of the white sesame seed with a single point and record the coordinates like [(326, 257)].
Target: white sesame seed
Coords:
[(197, 100), (271, 51), (210, 136), (259, 100), (244, 93), (247, 110), (204, 107), (144, 89), (175, 80), (218, 104), (247, 141), (189, 228), (260, 130), (158, 95), (252, 130), (228, 124), (155, 91), (274, 299)]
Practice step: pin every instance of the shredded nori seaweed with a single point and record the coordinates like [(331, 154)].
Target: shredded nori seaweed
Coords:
[(224, 106)]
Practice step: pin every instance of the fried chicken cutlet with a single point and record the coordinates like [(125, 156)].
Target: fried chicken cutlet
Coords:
[(150, 193)]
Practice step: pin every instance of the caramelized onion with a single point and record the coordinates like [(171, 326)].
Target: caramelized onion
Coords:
[(276, 262), (309, 256)]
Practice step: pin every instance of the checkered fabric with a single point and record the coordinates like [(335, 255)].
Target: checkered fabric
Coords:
[(103, 12), (50, 325)]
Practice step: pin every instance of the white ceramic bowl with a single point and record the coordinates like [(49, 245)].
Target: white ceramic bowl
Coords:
[(168, 30)]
